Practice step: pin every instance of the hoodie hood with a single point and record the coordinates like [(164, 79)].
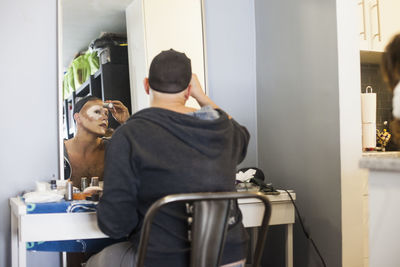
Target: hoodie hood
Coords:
[(208, 137)]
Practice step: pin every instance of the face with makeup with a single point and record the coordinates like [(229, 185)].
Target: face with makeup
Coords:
[(93, 117)]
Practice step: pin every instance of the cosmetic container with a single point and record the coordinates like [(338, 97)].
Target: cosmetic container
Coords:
[(108, 105), (95, 181), (84, 183), (69, 191), (53, 185)]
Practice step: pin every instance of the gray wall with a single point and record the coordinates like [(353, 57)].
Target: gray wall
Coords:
[(230, 30), (298, 116), (28, 87)]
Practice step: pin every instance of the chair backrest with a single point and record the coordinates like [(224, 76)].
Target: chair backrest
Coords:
[(210, 219)]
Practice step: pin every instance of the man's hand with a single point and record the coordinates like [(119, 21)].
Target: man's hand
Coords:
[(197, 93), (119, 111)]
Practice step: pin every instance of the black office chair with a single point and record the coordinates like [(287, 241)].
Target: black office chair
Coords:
[(209, 225)]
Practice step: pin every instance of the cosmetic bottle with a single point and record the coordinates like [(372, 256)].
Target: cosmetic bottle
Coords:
[(95, 181), (69, 191), (53, 185), (84, 183)]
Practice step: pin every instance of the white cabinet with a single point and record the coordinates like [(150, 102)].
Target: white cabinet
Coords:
[(157, 25), (379, 21)]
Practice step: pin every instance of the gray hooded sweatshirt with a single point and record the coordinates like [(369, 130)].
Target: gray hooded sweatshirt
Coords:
[(158, 152)]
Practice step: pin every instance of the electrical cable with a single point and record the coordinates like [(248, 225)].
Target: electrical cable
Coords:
[(304, 229)]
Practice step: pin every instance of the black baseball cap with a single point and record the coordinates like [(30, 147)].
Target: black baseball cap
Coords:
[(79, 105), (170, 72)]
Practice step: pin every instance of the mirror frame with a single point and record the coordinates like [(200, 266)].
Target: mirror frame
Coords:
[(59, 92), (60, 76)]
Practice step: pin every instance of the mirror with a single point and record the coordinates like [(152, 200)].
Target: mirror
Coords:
[(106, 47), (94, 58)]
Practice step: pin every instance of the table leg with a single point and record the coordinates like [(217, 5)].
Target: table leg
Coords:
[(14, 240), (18, 248), (21, 254), (289, 245), (63, 256), (253, 241), (21, 249), (253, 232)]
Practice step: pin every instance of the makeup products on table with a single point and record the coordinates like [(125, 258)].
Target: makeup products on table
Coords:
[(94, 181), (88, 191), (53, 185), (69, 191), (81, 196), (61, 184), (84, 183)]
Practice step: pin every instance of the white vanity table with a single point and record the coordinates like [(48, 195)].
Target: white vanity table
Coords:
[(68, 226), (384, 215)]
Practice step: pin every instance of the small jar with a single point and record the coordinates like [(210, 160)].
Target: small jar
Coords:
[(53, 185), (95, 181)]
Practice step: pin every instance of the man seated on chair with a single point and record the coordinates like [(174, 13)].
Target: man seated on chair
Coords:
[(168, 149)]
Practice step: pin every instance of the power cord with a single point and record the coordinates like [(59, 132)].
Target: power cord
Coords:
[(304, 229)]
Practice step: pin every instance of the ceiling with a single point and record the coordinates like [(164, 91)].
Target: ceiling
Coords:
[(84, 21)]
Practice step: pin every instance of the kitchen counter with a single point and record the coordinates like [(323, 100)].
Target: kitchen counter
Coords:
[(383, 202), (381, 161)]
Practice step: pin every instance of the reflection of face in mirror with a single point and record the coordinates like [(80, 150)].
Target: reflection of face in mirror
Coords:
[(93, 118)]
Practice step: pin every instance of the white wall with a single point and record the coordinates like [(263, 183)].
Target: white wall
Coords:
[(353, 179), (150, 32), (231, 57), (28, 87)]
